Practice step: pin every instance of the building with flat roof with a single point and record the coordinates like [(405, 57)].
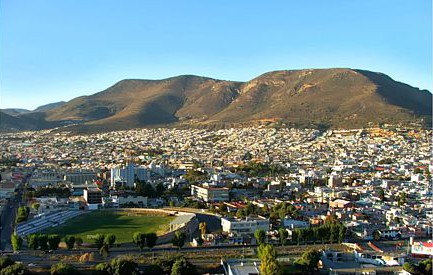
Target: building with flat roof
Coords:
[(80, 177), (93, 197), (244, 226), (241, 267), (210, 194)]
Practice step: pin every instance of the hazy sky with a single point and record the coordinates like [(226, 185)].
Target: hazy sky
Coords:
[(56, 50)]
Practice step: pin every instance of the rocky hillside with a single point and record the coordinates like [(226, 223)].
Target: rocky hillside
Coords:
[(335, 98)]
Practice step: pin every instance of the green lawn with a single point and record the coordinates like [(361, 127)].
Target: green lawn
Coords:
[(118, 223)]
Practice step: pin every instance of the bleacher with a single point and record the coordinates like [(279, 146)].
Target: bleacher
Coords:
[(50, 220)]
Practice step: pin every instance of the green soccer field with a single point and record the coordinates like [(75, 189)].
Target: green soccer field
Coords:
[(121, 224)]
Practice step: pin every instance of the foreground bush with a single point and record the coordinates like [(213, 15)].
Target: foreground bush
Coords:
[(63, 269)]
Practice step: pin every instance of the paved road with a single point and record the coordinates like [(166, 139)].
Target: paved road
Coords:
[(8, 219), (8, 224)]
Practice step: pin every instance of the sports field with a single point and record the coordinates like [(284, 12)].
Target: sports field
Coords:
[(121, 224)]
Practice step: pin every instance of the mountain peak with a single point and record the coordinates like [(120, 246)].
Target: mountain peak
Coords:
[(336, 97)]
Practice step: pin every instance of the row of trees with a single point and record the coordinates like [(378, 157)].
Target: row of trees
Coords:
[(102, 239), (177, 265), (146, 189), (279, 211), (61, 191), (333, 232), (43, 242), (51, 242)]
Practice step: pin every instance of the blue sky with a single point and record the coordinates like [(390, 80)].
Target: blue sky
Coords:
[(53, 50)]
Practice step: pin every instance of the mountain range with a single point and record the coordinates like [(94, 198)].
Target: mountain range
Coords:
[(330, 98)]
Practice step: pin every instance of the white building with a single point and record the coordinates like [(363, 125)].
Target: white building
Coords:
[(93, 198), (291, 223), (126, 175), (138, 200), (210, 194), (244, 226), (335, 181)]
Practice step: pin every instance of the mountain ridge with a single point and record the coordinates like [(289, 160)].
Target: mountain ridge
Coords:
[(335, 98)]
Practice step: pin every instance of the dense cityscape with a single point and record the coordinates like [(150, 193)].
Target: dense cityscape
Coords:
[(229, 201)]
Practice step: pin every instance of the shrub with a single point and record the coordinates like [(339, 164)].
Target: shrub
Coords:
[(62, 269)]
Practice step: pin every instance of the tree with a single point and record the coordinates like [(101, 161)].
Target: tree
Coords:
[(260, 236), (202, 226), (99, 240), (36, 206), (104, 250), (193, 176), (283, 235), (159, 190), (54, 241), (402, 199), (322, 233), (78, 242), (110, 239), (376, 235), (268, 260), (123, 266), (5, 262), (425, 267), (151, 239), (309, 260), (417, 170), (200, 241), (145, 190), (223, 208), (381, 194), (43, 242), (103, 269), (410, 267), (23, 214), (139, 239), (16, 241), (335, 232), (342, 233), (182, 267), (297, 235), (70, 241), (62, 269), (179, 239), (32, 241)]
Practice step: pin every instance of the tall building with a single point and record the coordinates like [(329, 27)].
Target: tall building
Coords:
[(126, 175), (335, 181), (93, 197)]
